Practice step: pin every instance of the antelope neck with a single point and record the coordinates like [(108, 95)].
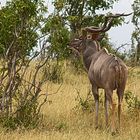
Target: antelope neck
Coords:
[(91, 49)]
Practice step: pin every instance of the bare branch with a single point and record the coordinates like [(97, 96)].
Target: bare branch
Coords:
[(121, 46)]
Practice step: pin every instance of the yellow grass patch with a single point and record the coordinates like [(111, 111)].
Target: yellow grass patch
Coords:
[(63, 120)]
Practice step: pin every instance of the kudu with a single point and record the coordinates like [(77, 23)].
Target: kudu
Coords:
[(104, 70)]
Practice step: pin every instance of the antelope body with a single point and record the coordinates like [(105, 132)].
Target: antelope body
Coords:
[(104, 71)]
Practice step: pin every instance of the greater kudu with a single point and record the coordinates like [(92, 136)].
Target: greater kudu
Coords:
[(104, 70)]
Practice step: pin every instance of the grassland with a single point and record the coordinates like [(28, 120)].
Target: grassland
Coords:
[(66, 118)]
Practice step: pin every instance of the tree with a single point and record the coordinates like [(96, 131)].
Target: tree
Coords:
[(81, 12), (58, 36), (69, 17), (21, 22), (136, 34)]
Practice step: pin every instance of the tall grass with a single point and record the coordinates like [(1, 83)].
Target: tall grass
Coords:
[(65, 118)]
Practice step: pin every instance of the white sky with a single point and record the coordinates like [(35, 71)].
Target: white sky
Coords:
[(122, 34), (118, 35)]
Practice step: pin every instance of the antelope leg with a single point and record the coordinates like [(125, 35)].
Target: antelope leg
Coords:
[(96, 97), (106, 110), (120, 98)]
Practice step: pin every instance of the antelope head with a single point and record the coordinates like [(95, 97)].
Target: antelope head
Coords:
[(78, 44)]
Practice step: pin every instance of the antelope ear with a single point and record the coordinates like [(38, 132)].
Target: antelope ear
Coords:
[(101, 37), (95, 36)]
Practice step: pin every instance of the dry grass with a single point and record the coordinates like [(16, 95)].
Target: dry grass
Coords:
[(63, 121)]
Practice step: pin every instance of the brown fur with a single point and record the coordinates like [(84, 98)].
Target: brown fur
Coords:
[(104, 71)]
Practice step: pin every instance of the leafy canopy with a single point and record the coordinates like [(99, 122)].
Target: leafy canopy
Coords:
[(20, 24)]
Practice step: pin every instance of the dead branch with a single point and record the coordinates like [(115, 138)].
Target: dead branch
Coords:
[(121, 46)]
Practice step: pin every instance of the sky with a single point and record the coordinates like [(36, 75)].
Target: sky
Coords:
[(118, 35), (122, 34)]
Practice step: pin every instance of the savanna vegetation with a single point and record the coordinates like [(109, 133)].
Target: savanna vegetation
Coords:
[(44, 89)]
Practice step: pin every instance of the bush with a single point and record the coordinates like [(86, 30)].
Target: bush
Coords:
[(84, 104), (53, 72), (78, 64), (133, 104), (132, 101), (27, 116)]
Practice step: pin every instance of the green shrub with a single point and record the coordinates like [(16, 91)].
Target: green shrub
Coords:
[(132, 101), (27, 116), (84, 104)]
